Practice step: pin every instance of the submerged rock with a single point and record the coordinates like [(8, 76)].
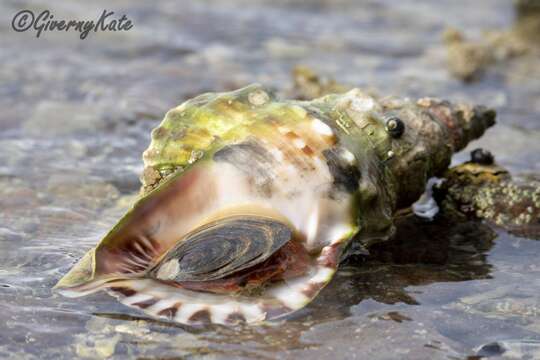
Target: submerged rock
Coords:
[(468, 59), (482, 189), (310, 85), (511, 349)]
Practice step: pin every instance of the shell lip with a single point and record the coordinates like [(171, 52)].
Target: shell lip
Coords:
[(80, 274)]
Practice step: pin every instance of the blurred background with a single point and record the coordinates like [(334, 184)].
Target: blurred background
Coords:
[(76, 116)]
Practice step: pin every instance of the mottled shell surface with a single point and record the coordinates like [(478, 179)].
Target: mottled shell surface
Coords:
[(302, 133)]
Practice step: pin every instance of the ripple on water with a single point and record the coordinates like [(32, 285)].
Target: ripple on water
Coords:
[(76, 117)]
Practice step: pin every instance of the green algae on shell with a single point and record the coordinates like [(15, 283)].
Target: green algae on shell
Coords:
[(327, 170)]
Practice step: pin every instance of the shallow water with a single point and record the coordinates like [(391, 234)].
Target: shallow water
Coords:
[(76, 115)]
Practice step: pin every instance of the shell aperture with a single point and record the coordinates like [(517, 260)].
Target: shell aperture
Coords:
[(223, 247)]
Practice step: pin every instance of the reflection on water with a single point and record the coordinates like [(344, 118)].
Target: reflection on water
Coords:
[(76, 116)]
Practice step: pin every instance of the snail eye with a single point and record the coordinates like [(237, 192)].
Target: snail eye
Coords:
[(394, 126)]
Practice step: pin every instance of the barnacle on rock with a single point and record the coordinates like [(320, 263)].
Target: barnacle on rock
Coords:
[(487, 191)]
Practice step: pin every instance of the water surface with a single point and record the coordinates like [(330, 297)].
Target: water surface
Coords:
[(76, 115)]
